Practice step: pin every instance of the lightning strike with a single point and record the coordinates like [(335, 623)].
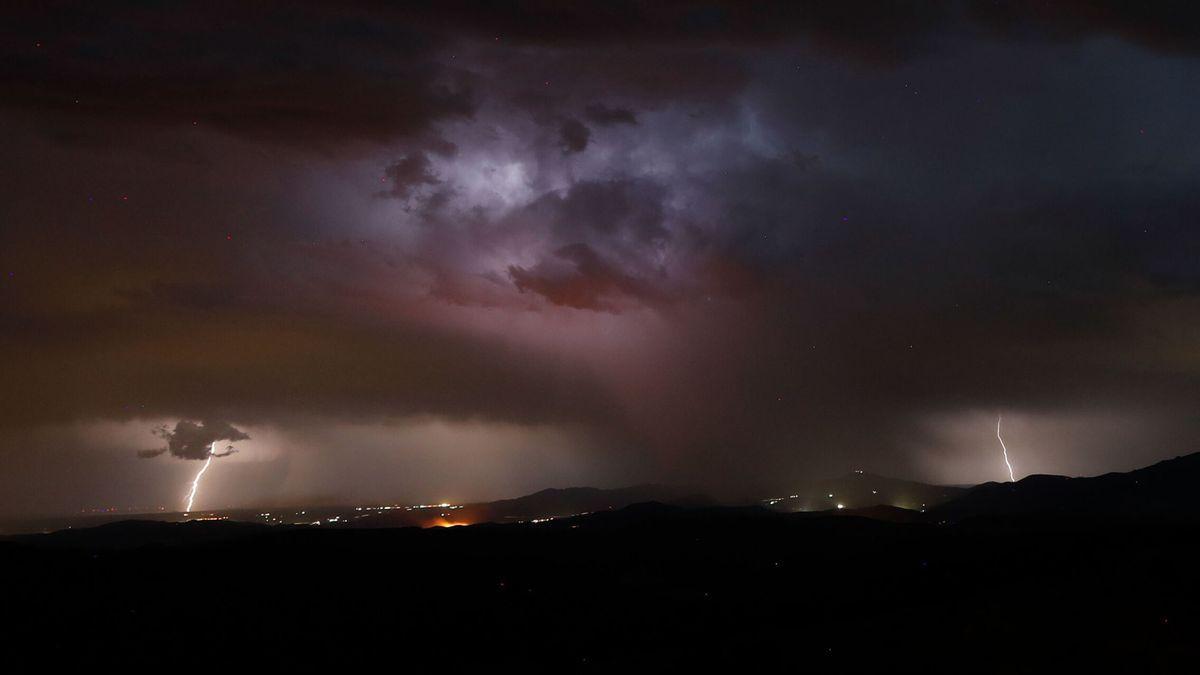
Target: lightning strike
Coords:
[(196, 481), (1003, 447)]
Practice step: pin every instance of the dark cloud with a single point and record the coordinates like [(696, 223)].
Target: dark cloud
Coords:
[(574, 136), (606, 238), (312, 74), (622, 209), (1158, 24), (407, 174), (196, 440), (603, 115), (877, 27), (584, 280), (875, 30), (315, 75), (303, 74)]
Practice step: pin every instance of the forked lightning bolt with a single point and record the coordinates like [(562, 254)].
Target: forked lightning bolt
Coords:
[(196, 481), (1011, 478)]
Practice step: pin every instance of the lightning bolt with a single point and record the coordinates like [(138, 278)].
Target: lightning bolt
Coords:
[(1011, 478), (196, 481)]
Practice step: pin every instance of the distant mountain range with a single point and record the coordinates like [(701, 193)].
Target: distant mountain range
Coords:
[(556, 503), (1168, 488), (549, 503)]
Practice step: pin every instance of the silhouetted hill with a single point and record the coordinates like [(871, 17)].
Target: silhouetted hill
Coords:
[(650, 586), (549, 503), (559, 502), (1029, 586), (136, 533), (1052, 568), (891, 514), (1168, 488)]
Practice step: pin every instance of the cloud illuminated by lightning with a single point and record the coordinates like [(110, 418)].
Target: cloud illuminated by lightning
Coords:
[(1011, 478), (196, 481)]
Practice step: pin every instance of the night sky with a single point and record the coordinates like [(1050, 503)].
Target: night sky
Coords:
[(463, 253)]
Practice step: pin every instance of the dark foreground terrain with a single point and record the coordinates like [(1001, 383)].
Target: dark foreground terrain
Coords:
[(1048, 574), (649, 587)]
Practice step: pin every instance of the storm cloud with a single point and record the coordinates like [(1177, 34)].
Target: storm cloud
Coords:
[(196, 440), (710, 243)]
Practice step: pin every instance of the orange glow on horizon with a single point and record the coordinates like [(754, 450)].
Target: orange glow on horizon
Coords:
[(443, 522)]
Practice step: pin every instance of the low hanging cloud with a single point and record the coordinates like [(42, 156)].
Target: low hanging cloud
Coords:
[(407, 174), (574, 136), (192, 440), (604, 115)]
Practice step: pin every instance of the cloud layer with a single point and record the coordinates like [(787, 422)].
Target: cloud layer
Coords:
[(723, 245)]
